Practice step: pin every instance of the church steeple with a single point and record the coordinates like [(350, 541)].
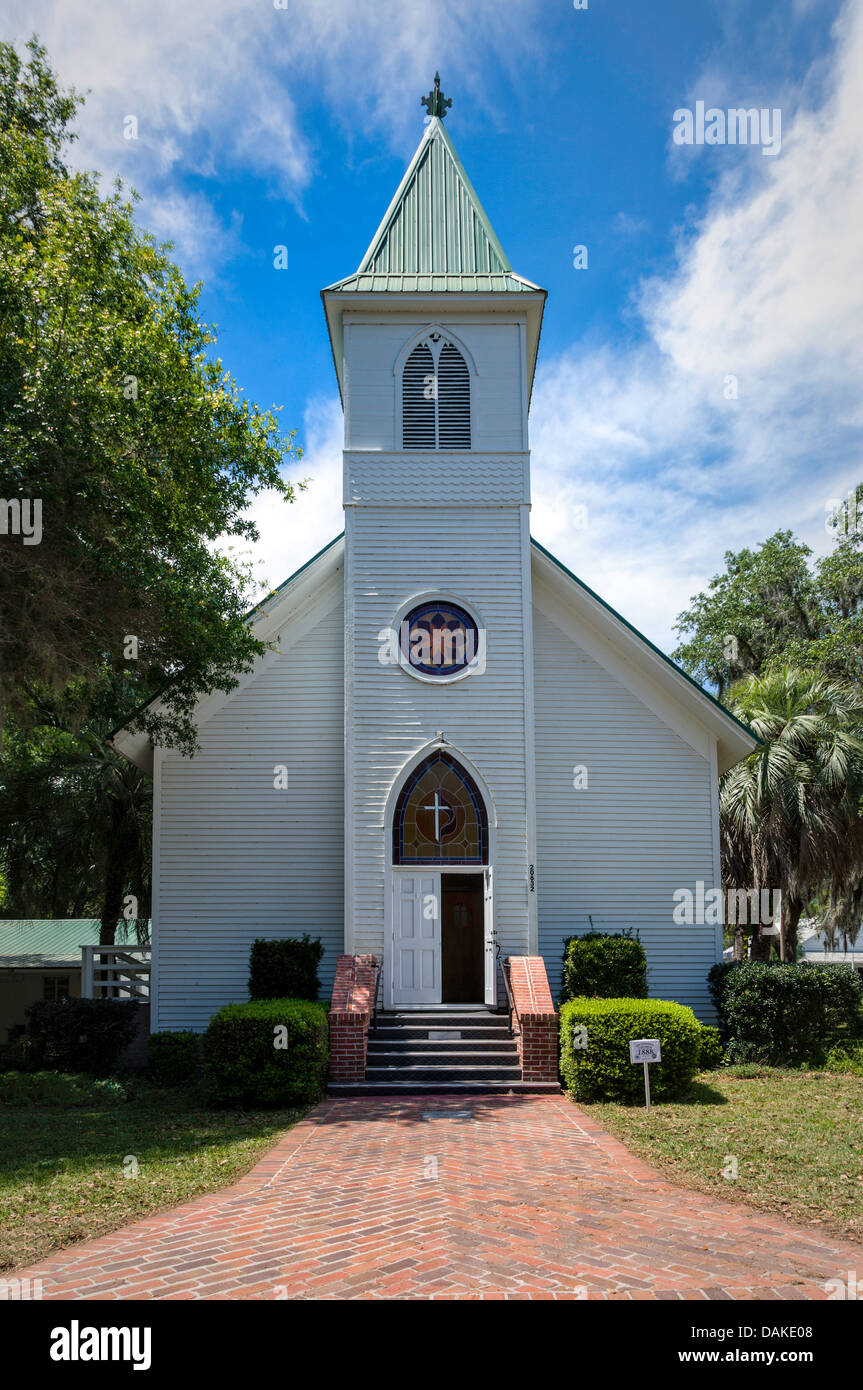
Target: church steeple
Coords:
[(436, 225), (435, 239)]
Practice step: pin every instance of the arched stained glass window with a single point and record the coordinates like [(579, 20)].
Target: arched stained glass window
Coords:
[(440, 816), (435, 396)]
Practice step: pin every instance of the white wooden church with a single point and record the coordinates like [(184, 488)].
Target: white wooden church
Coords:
[(456, 752)]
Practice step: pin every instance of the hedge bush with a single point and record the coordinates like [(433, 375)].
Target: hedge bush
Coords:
[(711, 1053), (81, 1035), (58, 1088), (172, 1058), (249, 1061), (603, 966), (601, 1069), (285, 969), (785, 1013)]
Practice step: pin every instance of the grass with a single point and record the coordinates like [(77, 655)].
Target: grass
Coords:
[(62, 1174), (796, 1136)]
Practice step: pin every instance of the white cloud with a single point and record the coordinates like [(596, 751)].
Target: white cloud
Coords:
[(768, 288), (290, 533), (202, 241), (221, 84)]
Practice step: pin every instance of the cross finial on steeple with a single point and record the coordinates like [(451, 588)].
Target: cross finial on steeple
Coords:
[(436, 103)]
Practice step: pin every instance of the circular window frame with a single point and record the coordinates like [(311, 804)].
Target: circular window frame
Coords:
[(477, 667)]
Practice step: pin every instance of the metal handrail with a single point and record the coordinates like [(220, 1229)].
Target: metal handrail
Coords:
[(377, 991), (504, 965)]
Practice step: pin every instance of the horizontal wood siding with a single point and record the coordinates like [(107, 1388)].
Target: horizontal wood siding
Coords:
[(240, 859), (475, 554), (371, 351), (643, 828)]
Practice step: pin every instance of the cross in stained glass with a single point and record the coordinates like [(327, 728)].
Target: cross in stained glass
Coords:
[(438, 807)]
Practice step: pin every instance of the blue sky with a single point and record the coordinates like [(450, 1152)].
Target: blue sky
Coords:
[(260, 126)]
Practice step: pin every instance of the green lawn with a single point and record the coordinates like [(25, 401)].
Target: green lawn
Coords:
[(797, 1137), (62, 1176)]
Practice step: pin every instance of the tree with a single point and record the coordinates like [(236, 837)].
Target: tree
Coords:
[(75, 819), (770, 608), (790, 812), (120, 431)]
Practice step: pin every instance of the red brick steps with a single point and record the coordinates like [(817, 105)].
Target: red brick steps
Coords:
[(468, 1051)]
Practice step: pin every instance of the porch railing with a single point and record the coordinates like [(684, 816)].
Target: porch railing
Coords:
[(115, 972), (377, 992), (504, 965)]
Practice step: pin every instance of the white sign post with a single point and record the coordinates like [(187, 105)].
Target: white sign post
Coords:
[(645, 1050)]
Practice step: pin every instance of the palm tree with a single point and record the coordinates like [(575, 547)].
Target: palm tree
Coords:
[(790, 814)]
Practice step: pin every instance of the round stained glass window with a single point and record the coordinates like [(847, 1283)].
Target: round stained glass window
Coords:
[(439, 639)]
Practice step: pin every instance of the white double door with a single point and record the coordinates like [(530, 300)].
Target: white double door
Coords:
[(417, 938)]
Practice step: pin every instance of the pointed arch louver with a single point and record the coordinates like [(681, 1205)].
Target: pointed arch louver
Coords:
[(436, 397)]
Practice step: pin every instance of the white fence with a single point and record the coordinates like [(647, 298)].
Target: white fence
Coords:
[(115, 972)]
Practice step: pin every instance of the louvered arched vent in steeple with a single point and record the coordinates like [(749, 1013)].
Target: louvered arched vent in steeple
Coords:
[(418, 400), (453, 399), (436, 397)]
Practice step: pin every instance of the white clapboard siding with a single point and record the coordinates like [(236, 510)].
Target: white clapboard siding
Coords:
[(454, 524), (373, 391), (473, 553), (238, 858), (643, 828)]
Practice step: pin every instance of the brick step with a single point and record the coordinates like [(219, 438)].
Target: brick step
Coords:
[(443, 1088), (445, 1015), (446, 1071), (442, 1059), (471, 1018), (459, 1037), (423, 1043)]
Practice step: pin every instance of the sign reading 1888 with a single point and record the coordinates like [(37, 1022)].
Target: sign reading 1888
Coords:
[(645, 1050)]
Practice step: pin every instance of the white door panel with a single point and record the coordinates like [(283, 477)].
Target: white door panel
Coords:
[(417, 943)]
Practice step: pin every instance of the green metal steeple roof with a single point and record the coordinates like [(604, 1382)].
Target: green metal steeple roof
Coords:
[(435, 243), (435, 236)]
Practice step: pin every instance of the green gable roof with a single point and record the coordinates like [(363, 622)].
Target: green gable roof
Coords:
[(53, 942), (435, 236)]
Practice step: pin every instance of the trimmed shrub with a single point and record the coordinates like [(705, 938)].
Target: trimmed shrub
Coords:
[(842, 988), (88, 1035), (594, 1040), (603, 966), (285, 969), (711, 1053), (781, 1014), (57, 1088), (716, 977), (249, 1061), (172, 1058)]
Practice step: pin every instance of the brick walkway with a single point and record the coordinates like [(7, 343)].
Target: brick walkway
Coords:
[(408, 1198)]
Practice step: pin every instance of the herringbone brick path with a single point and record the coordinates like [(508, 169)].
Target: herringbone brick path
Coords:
[(451, 1197)]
